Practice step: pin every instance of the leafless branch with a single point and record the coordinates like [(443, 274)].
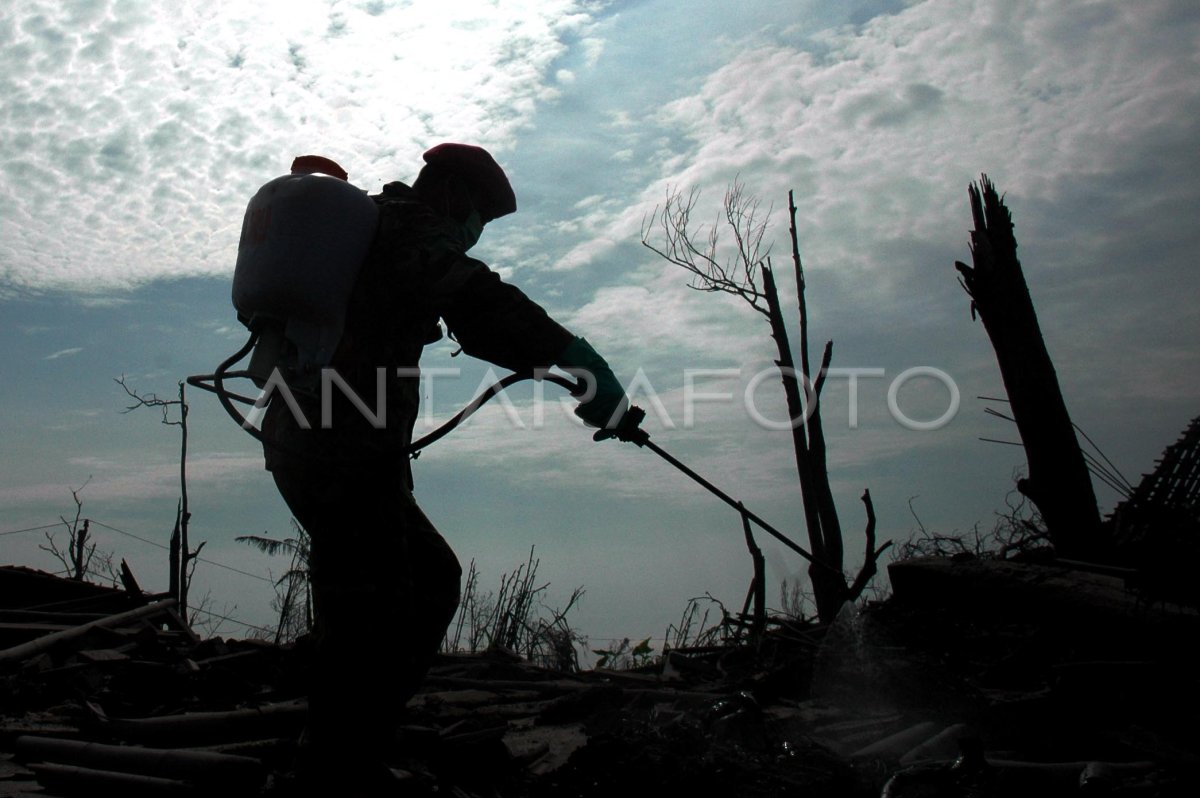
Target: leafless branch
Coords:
[(77, 556), (696, 251), (151, 400), (51, 547)]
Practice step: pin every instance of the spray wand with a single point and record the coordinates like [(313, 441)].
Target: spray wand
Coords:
[(629, 430)]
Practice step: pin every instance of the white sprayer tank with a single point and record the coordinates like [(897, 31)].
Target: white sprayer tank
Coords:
[(304, 239)]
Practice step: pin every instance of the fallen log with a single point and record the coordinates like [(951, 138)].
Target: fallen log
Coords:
[(945, 745), (44, 616), (894, 746), (540, 685), (45, 642), (237, 773), (72, 780), (199, 728)]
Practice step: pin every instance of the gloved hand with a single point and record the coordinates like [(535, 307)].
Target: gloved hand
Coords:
[(607, 404)]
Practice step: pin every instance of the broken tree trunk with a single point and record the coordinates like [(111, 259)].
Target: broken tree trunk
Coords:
[(758, 586), (173, 557), (79, 554), (829, 586), (1058, 482), (831, 527)]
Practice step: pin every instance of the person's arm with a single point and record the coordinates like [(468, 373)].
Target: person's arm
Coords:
[(493, 320), (497, 322)]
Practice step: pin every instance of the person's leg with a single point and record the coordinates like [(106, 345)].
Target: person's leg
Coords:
[(435, 575), (385, 587)]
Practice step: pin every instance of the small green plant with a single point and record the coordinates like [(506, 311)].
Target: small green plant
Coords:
[(619, 656)]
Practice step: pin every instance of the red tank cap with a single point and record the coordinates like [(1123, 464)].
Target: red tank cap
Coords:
[(307, 164)]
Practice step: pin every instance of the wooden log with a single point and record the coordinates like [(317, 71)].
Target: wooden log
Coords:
[(43, 616), (894, 746), (72, 780), (943, 746), (237, 773), (182, 625), (539, 685), (33, 628), (269, 748), (45, 642), (198, 728)]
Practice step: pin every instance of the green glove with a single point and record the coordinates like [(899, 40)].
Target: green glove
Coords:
[(606, 405)]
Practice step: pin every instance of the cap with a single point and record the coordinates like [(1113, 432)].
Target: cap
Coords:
[(478, 167)]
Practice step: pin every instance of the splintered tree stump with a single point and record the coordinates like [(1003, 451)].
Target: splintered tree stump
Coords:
[(1059, 482)]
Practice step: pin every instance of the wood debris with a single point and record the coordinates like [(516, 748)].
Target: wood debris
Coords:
[(976, 675)]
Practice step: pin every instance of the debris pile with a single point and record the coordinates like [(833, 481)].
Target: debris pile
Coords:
[(977, 678), (1156, 530)]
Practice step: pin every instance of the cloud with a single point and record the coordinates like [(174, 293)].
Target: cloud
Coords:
[(135, 133), (1084, 116), (880, 127), (657, 318), (152, 129), (113, 479), (64, 353)]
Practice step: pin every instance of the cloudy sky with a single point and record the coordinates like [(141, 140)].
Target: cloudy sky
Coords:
[(133, 133)]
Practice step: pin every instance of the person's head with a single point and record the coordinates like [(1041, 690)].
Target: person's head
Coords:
[(459, 179)]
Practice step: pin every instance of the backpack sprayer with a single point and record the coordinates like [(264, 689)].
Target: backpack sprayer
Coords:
[(304, 238)]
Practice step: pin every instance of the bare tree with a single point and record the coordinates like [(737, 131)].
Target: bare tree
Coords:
[(749, 275), (182, 562), (80, 558)]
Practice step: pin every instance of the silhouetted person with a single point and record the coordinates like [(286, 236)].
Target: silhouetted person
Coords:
[(385, 583)]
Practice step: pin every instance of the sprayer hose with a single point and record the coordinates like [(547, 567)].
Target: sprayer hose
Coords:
[(215, 383)]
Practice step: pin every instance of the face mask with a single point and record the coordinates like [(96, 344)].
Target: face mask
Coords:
[(471, 230)]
